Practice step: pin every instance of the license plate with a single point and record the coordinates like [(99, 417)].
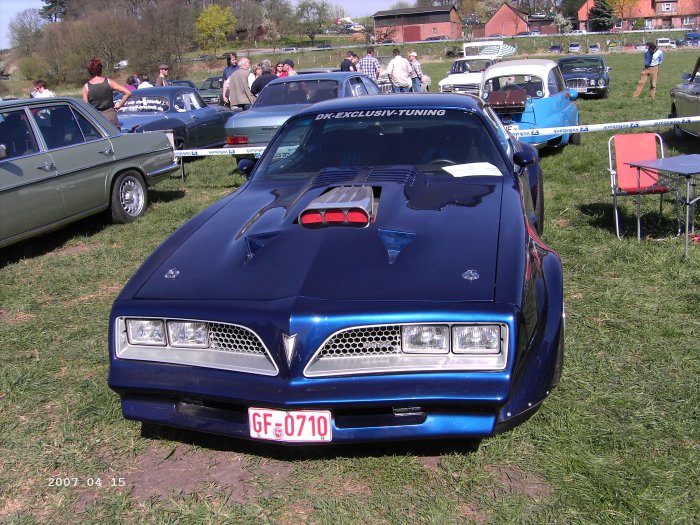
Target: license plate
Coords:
[(290, 426), (581, 90)]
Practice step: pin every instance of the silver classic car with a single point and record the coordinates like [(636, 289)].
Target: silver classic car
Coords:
[(685, 102), (61, 160)]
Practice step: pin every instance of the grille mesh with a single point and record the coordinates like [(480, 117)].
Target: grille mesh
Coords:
[(577, 83), (371, 340), (233, 338)]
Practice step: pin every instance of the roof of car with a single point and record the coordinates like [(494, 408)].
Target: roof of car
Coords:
[(330, 75), (521, 67), (401, 101)]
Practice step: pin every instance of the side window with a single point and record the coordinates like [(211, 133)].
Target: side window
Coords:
[(357, 87), (16, 135), (88, 129), (371, 87), (500, 130), (58, 126), (555, 81), (179, 103)]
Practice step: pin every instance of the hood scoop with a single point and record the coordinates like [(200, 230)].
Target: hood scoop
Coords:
[(341, 206), (255, 242), (395, 241)]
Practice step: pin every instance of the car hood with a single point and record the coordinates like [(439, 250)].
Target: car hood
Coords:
[(583, 74), (462, 78), (430, 240)]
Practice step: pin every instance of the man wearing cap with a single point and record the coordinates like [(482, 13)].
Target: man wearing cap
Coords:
[(416, 73), (288, 64), (399, 72), (164, 71)]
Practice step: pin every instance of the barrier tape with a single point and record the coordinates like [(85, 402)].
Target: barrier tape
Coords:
[(613, 126), (587, 128)]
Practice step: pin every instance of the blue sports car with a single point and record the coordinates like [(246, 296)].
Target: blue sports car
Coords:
[(179, 109), (531, 94), (380, 276)]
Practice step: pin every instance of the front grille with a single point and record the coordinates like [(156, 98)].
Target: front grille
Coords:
[(577, 83), (370, 340), (232, 338)]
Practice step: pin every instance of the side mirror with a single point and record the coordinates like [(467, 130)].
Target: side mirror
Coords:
[(524, 158), (3, 151), (245, 166), (573, 94), (685, 77), (608, 69)]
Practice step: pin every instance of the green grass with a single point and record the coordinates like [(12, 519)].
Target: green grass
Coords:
[(617, 442)]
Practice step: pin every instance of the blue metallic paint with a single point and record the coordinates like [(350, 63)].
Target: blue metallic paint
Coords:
[(298, 288)]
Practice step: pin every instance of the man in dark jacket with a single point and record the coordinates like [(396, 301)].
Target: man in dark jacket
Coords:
[(348, 64), (264, 79)]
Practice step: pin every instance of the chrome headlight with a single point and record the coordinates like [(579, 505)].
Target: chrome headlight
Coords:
[(425, 339), (447, 88), (188, 334), (592, 82), (601, 81), (149, 332), (477, 339)]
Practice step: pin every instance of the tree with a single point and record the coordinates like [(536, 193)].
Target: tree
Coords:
[(600, 17), (563, 25), (624, 9), (311, 16), (25, 31), (213, 25), (401, 5), (250, 17), (491, 6), (54, 10)]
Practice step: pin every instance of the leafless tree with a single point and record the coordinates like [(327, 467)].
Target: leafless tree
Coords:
[(25, 30)]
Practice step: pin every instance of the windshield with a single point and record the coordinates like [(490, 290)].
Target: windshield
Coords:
[(434, 140), (297, 92), (532, 84), (581, 65), (467, 66)]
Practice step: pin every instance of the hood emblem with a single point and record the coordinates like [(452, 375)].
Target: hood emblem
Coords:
[(470, 275), (289, 342), (172, 273)]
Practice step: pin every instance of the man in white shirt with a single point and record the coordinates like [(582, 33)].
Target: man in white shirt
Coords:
[(40, 90), (144, 82), (399, 72)]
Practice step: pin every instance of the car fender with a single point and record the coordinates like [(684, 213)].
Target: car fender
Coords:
[(178, 127)]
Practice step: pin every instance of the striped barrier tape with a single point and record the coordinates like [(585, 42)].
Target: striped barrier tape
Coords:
[(612, 126), (586, 128)]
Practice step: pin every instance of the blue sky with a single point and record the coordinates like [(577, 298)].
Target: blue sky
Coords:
[(10, 8)]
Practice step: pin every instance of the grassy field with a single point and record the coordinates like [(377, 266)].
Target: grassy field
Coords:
[(617, 442)]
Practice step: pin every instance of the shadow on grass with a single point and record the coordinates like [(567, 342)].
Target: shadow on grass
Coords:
[(155, 195), (308, 452), (51, 241), (685, 143), (601, 215)]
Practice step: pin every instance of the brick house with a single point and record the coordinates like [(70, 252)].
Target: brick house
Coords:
[(417, 23), (509, 21), (657, 14)]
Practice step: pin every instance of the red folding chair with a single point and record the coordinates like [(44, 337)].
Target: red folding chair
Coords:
[(628, 181)]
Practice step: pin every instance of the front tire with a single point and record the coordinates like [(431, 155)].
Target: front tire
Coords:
[(129, 198)]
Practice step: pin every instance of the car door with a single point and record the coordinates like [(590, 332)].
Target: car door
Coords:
[(562, 104), (688, 101), (82, 155), (30, 197)]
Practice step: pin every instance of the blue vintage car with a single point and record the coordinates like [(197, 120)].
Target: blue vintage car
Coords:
[(531, 94), (587, 75), (179, 109), (285, 96), (380, 276)]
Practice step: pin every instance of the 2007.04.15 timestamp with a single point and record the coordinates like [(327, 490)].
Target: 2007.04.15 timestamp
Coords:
[(64, 481)]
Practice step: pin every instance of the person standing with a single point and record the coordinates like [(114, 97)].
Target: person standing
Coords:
[(40, 90), (238, 86), (164, 71), (416, 72), (145, 82), (98, 92), (130, 83), (347, 64), (652, 59), (369, 65), (264, 79), (399, 72), (279, 70), (288, 64), (231, 66)]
